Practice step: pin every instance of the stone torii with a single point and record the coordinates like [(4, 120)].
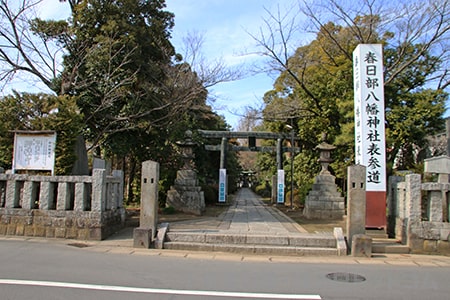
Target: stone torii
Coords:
[(251, 136)]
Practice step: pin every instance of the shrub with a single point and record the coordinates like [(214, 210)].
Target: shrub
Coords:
[(263, 190), (211, 194), (169, 210)]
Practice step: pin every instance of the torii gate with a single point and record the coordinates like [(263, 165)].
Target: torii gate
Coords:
[(251, 137)]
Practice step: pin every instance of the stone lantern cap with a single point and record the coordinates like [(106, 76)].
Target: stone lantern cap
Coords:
[(187, 142), (325, 146), (325, 152)]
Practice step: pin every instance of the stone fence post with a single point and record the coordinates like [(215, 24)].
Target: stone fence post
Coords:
[(118, 190), (356, 202), (98, 190), (13, 187), (81, 199), (413, 210), (63, 202), (394, 205)]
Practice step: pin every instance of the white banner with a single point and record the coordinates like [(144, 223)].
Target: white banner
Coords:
[(280, 186), (370, 142), (34, 151), (222, 185)]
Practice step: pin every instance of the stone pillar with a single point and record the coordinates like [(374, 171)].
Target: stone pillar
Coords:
[(223, 153), (12, 193), (149, 195), (80, 197), (413, 197), (401, 218), (63, 198), (119, 190), (46, 195), (279, 154), (29, 194), (98, 190), (148, 220), (413, 210), (393, 204), (435, 205), (274, 189), (361, 245), (356, 201)]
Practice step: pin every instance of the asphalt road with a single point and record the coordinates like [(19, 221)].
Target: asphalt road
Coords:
[(46, 270)]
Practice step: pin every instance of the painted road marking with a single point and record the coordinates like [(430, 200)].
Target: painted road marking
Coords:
[(112, 288)]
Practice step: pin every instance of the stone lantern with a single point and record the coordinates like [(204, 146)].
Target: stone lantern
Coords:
[(325, 156), (186, 195), (187, 151), (324, 201)]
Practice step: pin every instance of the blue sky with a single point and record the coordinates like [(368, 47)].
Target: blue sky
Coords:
[(225, 25)]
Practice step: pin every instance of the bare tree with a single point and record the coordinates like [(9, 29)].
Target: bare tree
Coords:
[(277, 40), (22, 51), (426, 23), (415, 35), (250, 121), (210, 72)]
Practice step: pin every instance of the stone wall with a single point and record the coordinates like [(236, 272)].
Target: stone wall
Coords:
[(419, 214), (75, 207)]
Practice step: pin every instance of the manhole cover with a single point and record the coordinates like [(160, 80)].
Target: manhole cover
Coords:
[(345, 277), (79, 245)]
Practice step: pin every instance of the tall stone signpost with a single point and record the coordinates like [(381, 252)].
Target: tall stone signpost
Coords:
[(148, 220), (370, 144)]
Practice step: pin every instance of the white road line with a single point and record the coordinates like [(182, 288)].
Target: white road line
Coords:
[(155, 291)]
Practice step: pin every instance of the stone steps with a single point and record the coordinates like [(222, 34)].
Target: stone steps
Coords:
[(294, 245), (377, 233), (389, 246), (298, 244), (253, 249)]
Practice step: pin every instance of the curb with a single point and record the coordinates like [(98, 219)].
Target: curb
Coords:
[(124, 247)]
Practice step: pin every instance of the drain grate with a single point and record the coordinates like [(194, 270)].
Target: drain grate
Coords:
[(78, 245), (346, 277)]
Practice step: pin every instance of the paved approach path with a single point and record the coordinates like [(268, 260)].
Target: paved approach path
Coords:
[(246, 215)]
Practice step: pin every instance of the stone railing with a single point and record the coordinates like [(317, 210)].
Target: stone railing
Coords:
[(75, 207), (418, 214)]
